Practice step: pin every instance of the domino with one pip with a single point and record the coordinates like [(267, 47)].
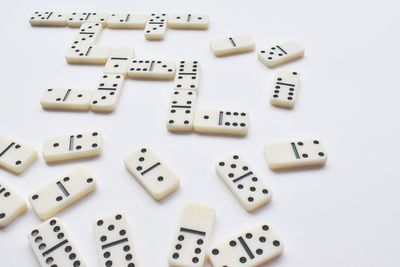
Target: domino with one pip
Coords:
[(156, 177), (232, 45), (295, 153), (15, 157), (119, 60), (72, 146)]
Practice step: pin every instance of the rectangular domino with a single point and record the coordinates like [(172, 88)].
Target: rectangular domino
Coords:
[(221, 122), (62, 193), (181, 111), (232, 45), (12, 205), (87, 54), (188, 21), (151, 69), (105, 97), (279, 54), (188, 75), (244, 182), (54, 19), (53, 246), (156, 27), (119, 60), (66, 99), (192, 237), (295, 153), (15, 157), (113, 241), (88, 33), (72, 146), (156, 177), (76, 19), (284, 92), (127, 21), (252, 247)]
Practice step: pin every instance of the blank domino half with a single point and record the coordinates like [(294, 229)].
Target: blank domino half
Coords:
[(192, 237), (279, 54), (151, 69), (62, 193), (105, 97), (253, 247), (15, 157), (72, 146), (245, 184), (119, 60), (12, 205), (188, 21), (54, 19), (76, 19), (284, 92), (87, 54), (221, 122), (295, 153), (232, 45), (88, 34), (156, 177), (127, 21), (66, 99), (113, 241), (181, 110), (53, 246), (188, 75), (156, 27)]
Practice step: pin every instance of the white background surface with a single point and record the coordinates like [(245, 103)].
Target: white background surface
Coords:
[(345, 214)]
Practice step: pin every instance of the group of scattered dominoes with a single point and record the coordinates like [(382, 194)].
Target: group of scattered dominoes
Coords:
[(284, 92), (50, 242), (53, 246), (154, 25)]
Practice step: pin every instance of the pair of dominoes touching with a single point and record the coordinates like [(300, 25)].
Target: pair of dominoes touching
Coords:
[(154, 25), (182, 116)]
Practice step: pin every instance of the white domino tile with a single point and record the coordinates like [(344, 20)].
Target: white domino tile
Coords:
[(88, 54), (156, 27), (62, 193), (188, 21), (295, 153), (156, 177), (15, 156), (72, 146), (284, 91), (48, 18), (247, 186), (76, 19), (151, 69), (53, 246), (113, 241), (187, 75), (252, 247), (88, 34), (221, 122), (279, 54), (119, 60), (74, 99), (127, 21), (232, 45), (105, 97), (12, 205), (192, 236), (181, 110)]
